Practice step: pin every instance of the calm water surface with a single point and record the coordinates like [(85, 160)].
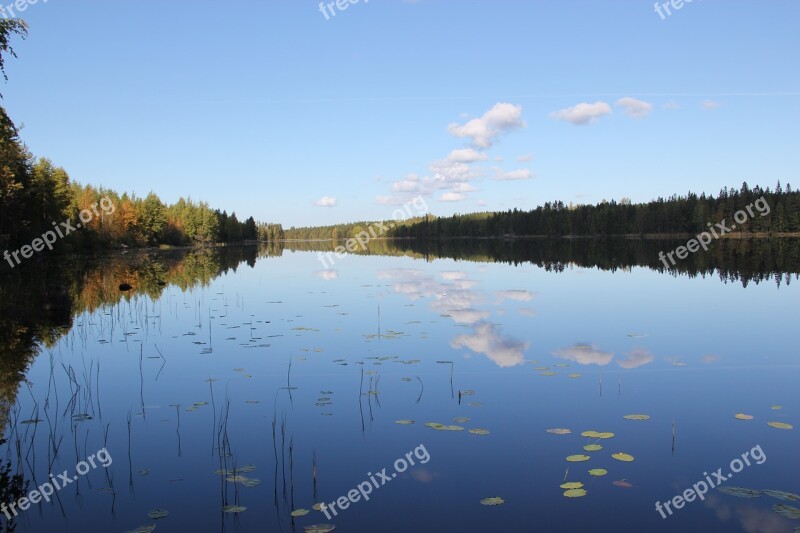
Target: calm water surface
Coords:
[(297, 375)]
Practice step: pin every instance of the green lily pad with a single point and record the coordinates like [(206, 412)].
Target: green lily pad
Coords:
[(592, 447), (740, 492), (742, 416), (575, 493), (478, 431), (787, 510), (572, 485), (578, 458), (234, 509), (319, 528), (156, 514), (780, 425), (624, 457), (782, 495), (597, 472), (149, 528), (496, 500), (404, 422), (559, 431), (636, 417), (300, 512)]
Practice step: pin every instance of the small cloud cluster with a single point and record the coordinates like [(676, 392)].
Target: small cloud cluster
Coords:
[(585, 114), (326, 201), (452, 177)]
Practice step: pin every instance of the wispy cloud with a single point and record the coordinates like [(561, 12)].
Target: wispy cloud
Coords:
[(635, 108), (582, 114), (636, 358), (520, 174), (585, 354), (326, 201), (710, 104)]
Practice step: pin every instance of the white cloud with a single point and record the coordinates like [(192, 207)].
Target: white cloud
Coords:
[(505, 352), (582, 114), (484, 131), (520, 174), (584, 354), (516, 295), (453, 197), (635, 108), (328, 275), (636, 358), (466, 155), (326, 201)]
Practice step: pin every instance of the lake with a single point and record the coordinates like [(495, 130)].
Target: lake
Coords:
[(409, 387)]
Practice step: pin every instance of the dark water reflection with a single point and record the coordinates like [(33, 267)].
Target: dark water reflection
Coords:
[(291, 377)]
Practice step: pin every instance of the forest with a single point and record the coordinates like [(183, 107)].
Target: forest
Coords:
[(675, 215)]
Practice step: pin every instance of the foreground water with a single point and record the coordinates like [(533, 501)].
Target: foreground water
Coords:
[(232, 388)]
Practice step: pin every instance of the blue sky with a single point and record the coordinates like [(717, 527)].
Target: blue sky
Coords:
[(269, 108)]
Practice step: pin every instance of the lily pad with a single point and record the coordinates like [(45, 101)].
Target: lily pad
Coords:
[(636, 417), (404, 422), (787, 510), (578, 458), (496, 500), (597, 472), (574, 376), (590, 434), (572, 485), (559, 431), (478, 431), (627, 458), (234, 509), (606, 435), (592, 447), (156, 514), (742, 416), (461, 420), (319, 528), (776, 407), (300, 512), (149, 528), (782, 495), (780, 425), (575, 493), (740, 492)]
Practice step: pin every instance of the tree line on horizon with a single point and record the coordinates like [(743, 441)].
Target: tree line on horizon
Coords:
[(676, 215)]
